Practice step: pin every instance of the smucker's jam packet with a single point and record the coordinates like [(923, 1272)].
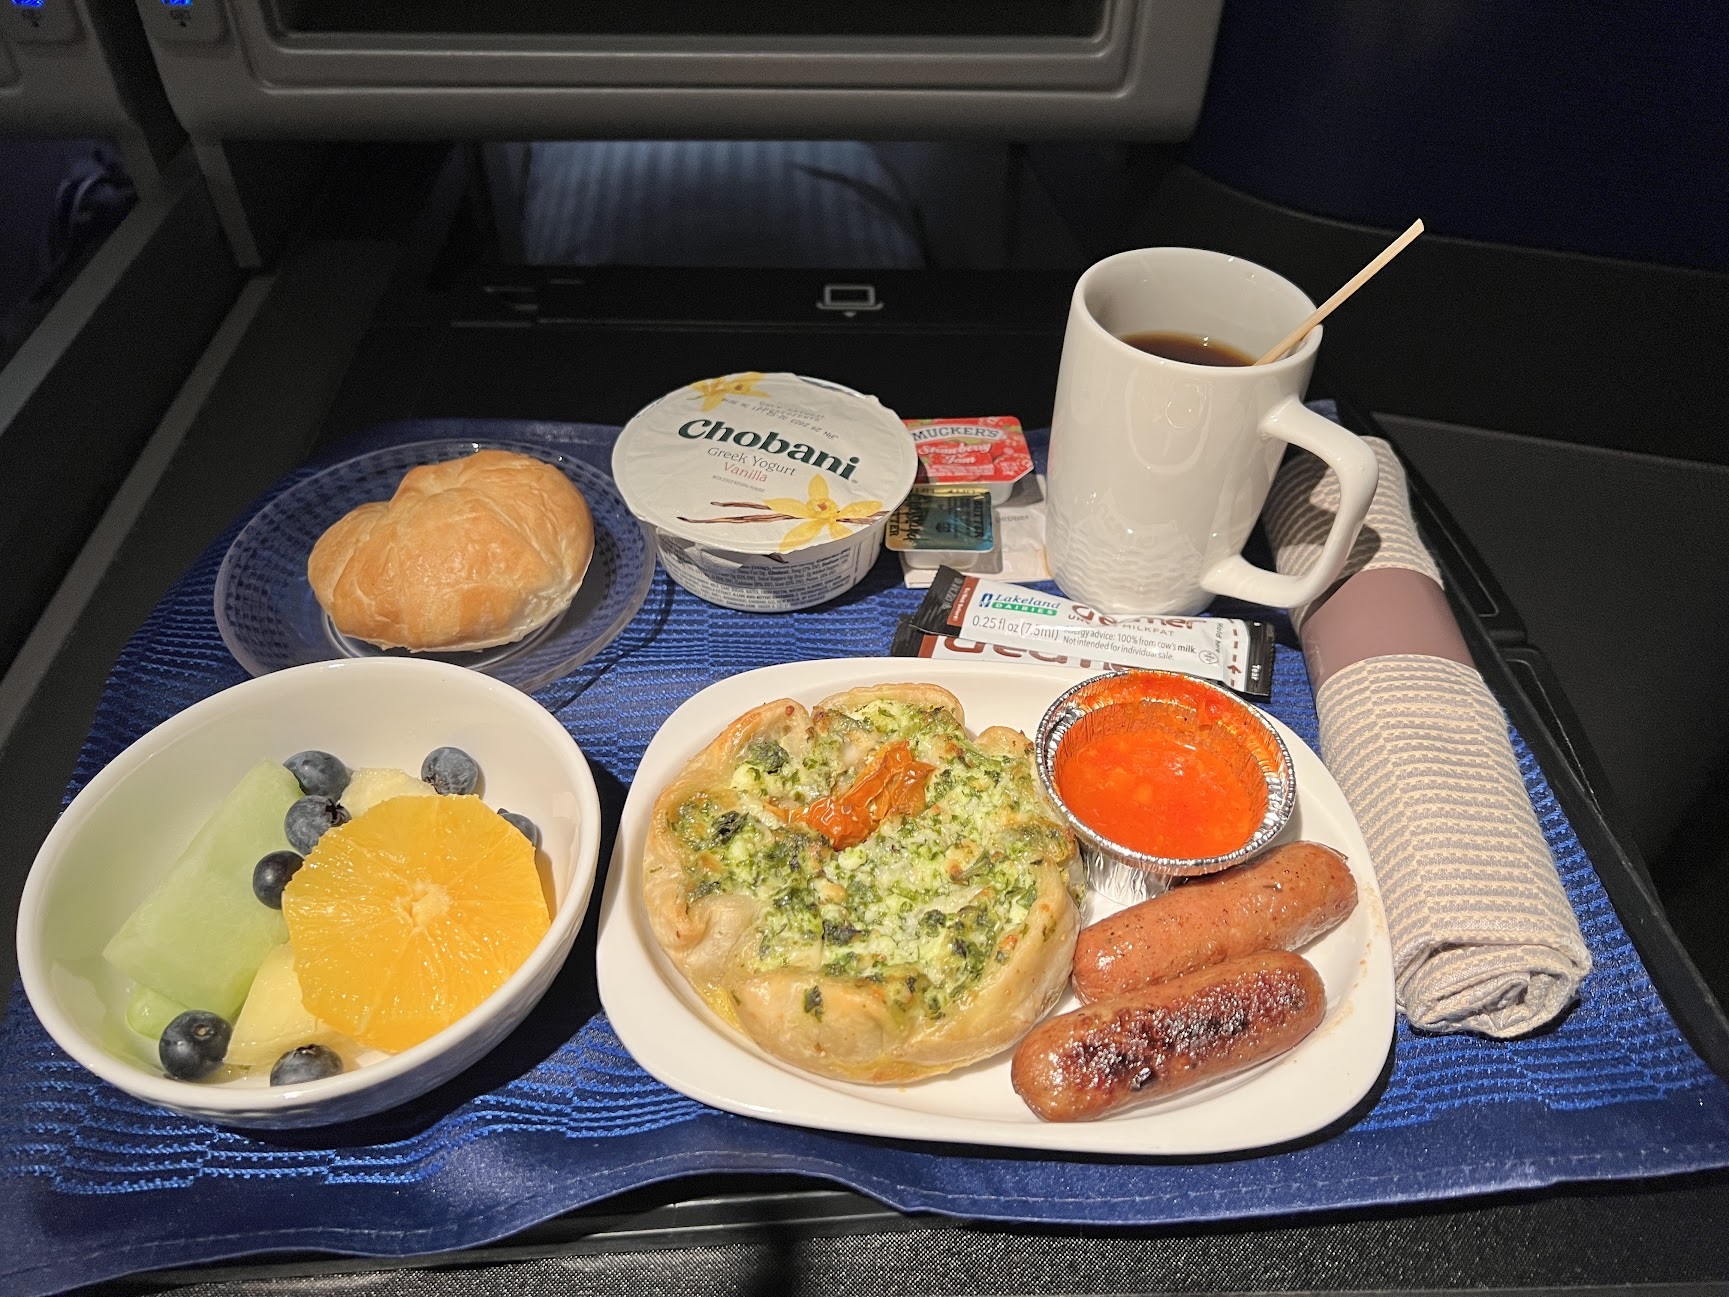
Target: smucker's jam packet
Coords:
[(989, 452), (974, 609)]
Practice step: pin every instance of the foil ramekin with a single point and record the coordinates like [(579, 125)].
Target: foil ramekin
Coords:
[(1118, 871)]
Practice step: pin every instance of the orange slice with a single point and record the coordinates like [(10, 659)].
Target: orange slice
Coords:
[(408, 916)]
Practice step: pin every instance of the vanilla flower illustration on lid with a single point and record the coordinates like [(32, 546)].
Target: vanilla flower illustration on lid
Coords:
[(820, 511), (715, 390)]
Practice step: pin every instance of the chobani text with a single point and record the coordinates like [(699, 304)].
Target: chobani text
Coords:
[(770, 443)]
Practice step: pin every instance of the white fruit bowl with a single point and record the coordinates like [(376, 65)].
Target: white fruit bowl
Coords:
[(129, 824)]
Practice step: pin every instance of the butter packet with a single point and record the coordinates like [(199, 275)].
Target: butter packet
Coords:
[(945, 526)]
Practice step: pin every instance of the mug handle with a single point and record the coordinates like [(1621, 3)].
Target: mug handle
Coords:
[(1354, 464)]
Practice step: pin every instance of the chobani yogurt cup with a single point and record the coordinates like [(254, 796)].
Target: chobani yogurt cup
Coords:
[(767, 492)]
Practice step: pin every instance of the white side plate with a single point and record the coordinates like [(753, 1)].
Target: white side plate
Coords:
[(675, 1037)]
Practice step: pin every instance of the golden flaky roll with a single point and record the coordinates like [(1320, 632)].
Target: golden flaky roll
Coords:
[(864, 889), (467, 554)]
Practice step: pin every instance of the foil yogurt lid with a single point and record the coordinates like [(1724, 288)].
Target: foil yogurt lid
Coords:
[(764, 463)]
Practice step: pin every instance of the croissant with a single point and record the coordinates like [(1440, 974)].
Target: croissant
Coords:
[(467, 554)]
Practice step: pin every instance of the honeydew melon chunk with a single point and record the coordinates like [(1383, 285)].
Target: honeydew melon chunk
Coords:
[(148, 1012), (199, 937), (376, 784), (273, 1019)]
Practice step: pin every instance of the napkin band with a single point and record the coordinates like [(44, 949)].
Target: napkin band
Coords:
[(1376, 613)]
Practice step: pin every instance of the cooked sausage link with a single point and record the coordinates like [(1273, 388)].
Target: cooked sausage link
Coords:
[(1167, 1038), (1280, 900)]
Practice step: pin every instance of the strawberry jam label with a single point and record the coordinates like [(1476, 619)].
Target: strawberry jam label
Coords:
[(987, 452)]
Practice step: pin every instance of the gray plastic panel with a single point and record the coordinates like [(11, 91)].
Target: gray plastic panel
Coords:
[(1140, 75), (40, 22), (1094, 62), (85, 69)]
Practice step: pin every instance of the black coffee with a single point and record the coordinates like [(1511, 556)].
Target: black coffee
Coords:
[(1188, 348)]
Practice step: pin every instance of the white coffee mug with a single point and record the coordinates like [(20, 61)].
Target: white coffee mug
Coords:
[(1159, 468)]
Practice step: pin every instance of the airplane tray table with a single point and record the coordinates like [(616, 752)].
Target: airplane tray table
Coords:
[(96, 1184)]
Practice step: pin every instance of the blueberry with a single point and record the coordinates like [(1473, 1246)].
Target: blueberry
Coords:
[(271, 874), (193, 1045), (319, 773), (308, 819), (450, 770), (522, 824), (308, 1063)]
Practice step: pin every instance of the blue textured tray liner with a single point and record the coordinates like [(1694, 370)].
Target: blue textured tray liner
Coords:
[(94, 1183)]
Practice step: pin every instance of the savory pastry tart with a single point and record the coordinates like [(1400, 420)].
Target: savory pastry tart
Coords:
[(867, 891)]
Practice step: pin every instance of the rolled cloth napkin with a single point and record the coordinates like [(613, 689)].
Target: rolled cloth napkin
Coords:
[(1483, 936)]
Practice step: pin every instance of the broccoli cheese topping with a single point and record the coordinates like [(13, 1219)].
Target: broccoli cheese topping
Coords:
[(926, 903)]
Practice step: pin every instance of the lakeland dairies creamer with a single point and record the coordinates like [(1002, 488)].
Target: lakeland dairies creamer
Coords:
[(767, 492)]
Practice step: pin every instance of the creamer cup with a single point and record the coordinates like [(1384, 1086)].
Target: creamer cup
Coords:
[(767, 492)]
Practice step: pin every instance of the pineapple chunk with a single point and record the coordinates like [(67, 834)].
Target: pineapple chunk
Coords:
[(376, 784), (274, 1021)]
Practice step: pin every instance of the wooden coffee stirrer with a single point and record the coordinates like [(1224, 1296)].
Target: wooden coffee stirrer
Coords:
[(1356, 281)]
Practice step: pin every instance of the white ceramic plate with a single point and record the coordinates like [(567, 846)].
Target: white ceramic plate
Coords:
[(674, 1036)]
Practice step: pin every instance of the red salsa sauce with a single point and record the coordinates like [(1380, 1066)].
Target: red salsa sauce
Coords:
[(1163, 789)]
